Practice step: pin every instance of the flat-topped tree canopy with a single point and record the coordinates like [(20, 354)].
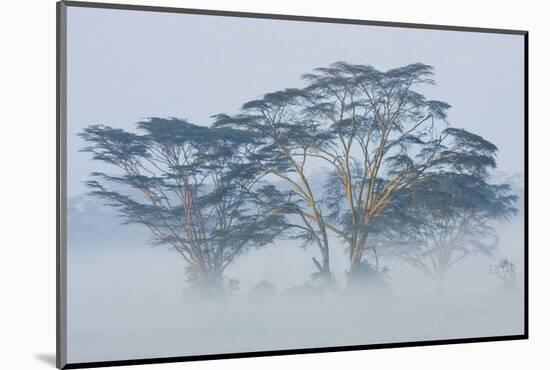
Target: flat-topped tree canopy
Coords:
[(375, 132), (185, 183), (442, 220)]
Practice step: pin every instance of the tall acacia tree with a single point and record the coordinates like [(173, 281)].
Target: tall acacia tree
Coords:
[(443, 220), (285, 144), (179, 180), (376, 132)]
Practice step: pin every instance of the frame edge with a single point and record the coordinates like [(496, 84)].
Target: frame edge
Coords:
[(526, 185), (61, 217), (288, 17), (61, 214)]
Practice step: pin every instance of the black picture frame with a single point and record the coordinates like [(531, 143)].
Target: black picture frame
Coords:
[(61, 216)]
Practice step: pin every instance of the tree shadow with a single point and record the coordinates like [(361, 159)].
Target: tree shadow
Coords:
[(47, 358)]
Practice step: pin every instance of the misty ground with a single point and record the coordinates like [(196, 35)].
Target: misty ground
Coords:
[(130, 301), (177, 328)]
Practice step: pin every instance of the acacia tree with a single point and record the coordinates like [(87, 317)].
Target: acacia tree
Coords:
[(376, 133), (444, 219), (179, 180), (285, 144)]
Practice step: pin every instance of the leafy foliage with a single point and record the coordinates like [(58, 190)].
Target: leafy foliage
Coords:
[(376, 132), (184, 183), (442, 220), (395, 174)]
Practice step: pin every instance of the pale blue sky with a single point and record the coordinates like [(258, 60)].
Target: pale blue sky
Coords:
[(124, 66)]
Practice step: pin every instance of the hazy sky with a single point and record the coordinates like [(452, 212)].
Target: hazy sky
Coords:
[(124, 66)]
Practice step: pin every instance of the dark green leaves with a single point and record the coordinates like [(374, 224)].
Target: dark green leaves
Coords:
[(392, 169), (113, 145), (187, 184)]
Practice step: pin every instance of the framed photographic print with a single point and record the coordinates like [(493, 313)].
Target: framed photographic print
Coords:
[(236, 184)]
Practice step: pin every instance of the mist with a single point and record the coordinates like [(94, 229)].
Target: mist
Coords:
[(129, 300)]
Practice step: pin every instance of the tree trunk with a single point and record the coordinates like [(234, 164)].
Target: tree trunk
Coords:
[(354, 266), (207, 282), (440, 281), (324, 270), (356, 255)]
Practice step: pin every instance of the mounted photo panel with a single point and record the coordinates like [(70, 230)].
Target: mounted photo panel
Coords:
[(237, 184)]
